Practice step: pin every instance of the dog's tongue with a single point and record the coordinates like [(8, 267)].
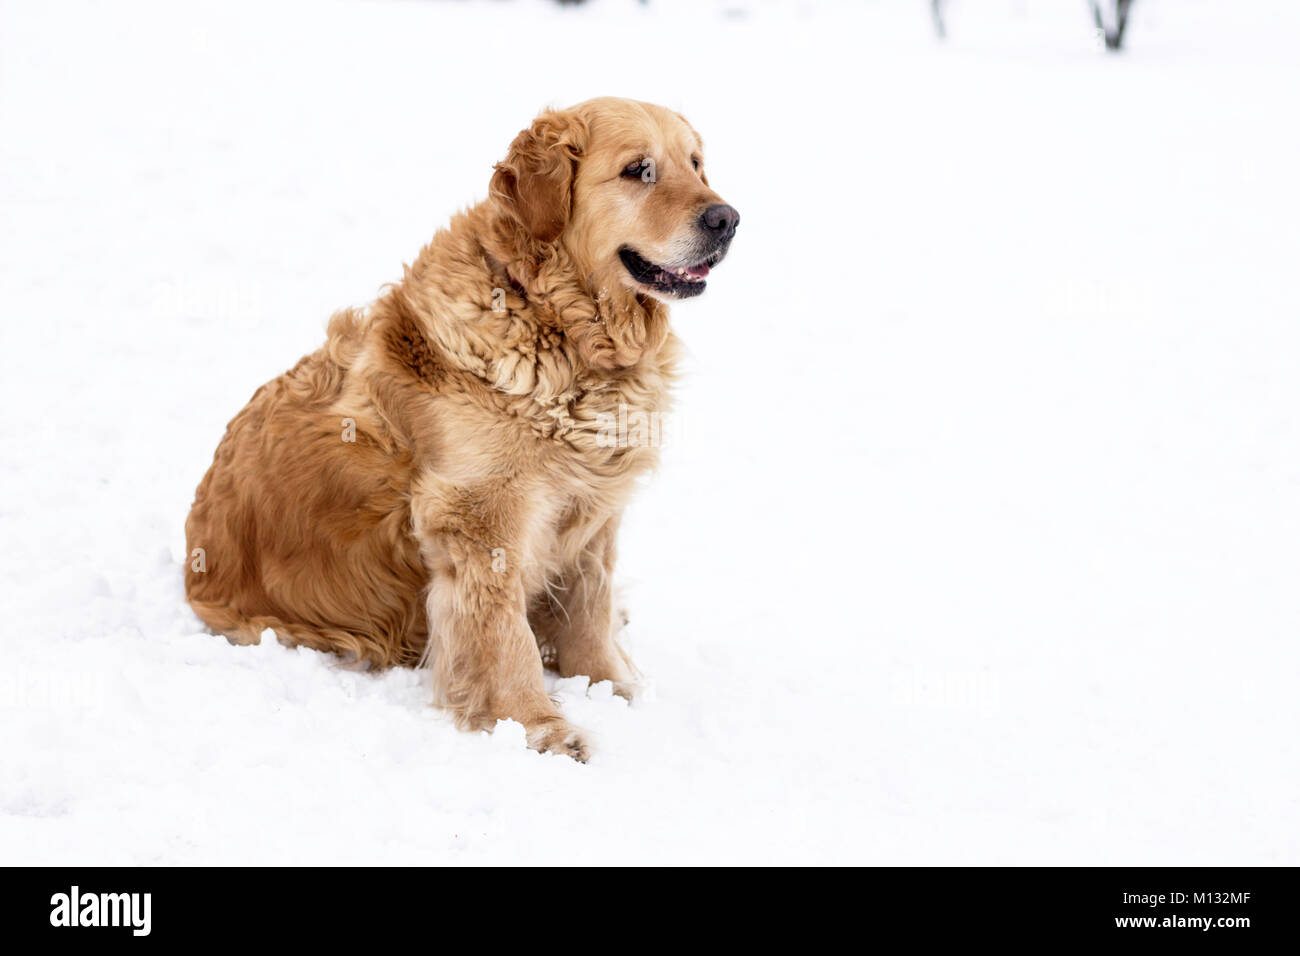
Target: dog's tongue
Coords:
[(701, 270)]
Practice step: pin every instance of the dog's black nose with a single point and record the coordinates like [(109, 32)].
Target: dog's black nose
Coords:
[(720, 219)]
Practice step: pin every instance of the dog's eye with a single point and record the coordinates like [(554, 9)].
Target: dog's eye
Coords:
[(642, 169), (695, 163)]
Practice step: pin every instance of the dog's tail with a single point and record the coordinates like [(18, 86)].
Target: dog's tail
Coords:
[(244, 630)]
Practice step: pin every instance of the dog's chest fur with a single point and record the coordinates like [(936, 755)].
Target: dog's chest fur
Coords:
[(501, 403), (592, 433)]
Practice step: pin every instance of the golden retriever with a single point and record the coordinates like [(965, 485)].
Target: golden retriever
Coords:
[(442, 482)]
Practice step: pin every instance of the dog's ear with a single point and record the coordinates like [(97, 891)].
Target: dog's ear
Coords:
[(534, 183)]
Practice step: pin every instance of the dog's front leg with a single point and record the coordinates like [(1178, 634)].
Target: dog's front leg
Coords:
[(576, 617), (485, 660)]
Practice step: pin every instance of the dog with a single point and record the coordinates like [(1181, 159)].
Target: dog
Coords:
[(436, 485)]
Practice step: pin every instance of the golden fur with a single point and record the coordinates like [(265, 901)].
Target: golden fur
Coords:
[(432, 484)]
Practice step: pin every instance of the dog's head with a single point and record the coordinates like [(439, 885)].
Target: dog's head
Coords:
[(620, 185)]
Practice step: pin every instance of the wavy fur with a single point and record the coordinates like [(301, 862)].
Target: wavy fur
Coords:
[(432, 484)]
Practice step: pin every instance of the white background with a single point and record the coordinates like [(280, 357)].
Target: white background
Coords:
[(980, 539)]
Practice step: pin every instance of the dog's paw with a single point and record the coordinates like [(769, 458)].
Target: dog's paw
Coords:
[(629, 690), (560, 737)]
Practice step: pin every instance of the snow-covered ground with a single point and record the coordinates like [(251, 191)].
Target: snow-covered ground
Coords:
[(998, 563)]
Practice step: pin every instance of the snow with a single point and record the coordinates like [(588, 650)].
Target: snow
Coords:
[(980, 538)]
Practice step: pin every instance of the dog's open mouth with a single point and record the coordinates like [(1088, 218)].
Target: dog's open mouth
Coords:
[(681, 282)]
